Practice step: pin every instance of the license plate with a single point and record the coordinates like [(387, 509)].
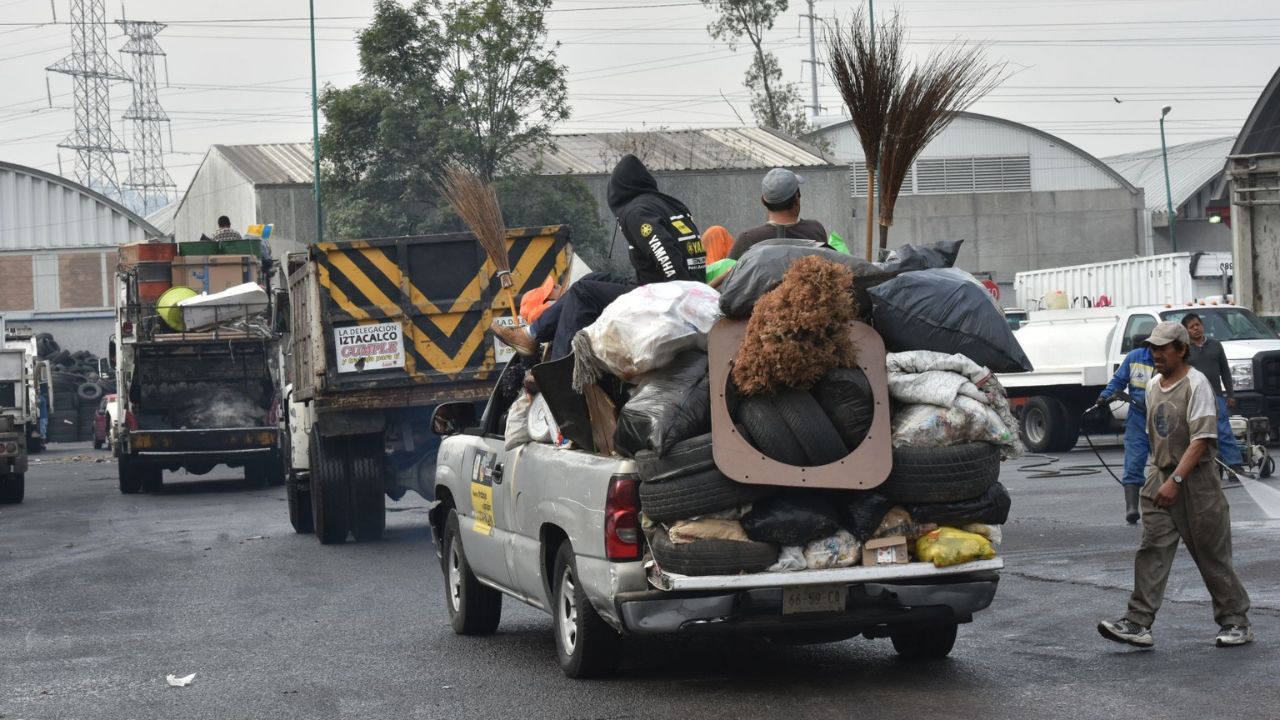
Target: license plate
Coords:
[(814, 598)]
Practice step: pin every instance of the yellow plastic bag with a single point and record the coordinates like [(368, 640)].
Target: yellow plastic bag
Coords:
[(949, 546)]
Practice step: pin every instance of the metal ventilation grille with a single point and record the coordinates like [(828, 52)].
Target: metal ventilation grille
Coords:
[(936, 176), (858, 180)]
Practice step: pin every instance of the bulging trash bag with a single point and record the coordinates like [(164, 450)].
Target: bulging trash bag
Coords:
[(990, 508), (646, 328), (792, 518), (949, 546), (845, 396), (836, 551), (862, 511), (946, 311), (668, 405), (517, 432), (941, 254), (761, 268)]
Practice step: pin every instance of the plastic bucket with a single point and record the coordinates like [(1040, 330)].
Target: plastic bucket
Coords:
[(198, 247), (247, 246), (167, 306)]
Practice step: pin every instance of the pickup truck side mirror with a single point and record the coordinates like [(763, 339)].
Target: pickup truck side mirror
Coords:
[(453, 418)]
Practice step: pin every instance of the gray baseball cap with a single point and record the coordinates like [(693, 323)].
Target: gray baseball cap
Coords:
[(779, 185), (1168, 331)]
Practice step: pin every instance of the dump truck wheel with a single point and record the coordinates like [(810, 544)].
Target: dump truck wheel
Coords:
[(329, 494), (255, 473), (1047, 425), (12, 487), (130, 478), (152, 477), (368, 503)]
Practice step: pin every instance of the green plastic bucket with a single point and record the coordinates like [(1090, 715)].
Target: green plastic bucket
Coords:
[(167, 306), (198, 247)]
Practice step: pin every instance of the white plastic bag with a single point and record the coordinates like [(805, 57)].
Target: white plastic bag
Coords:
[(646, 328), (839, 550), (542, 425), (790, 559), (517, 433)]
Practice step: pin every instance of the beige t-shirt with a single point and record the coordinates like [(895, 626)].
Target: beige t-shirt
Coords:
[(1178, 415)]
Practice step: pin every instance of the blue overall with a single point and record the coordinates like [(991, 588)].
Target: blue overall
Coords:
[(1228, 450), (1135, 371)]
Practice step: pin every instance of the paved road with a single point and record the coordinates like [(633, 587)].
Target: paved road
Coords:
[(102, 595)]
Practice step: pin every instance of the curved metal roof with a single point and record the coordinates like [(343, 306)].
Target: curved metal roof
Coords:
[(1191, 166), (40, 211)]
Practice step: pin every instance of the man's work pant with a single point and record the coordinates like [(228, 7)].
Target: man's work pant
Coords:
[(1228, 450), (580, 305), (1136, 448), (1201, 518)]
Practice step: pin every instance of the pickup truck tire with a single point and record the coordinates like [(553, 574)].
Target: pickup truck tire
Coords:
[(12, 487), (585, 644), (130, 478), (711, 557), (698, 494), (474, 609), (329, 493), (368, 499), (684, 458), (152, 477), (927, 643), (1047, 425), (810, 425), (768, 432), (942, 474)]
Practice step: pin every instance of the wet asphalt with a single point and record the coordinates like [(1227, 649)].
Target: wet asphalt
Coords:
[(102, 595)]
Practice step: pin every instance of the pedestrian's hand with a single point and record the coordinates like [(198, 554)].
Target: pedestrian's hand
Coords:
[(1231, 403), (1168, 494)]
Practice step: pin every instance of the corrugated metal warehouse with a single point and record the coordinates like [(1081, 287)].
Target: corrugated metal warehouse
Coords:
[(1022, 199), (58, 244), (251, 184)]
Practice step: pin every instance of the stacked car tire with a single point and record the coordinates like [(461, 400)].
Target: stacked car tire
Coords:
[(77, 390)]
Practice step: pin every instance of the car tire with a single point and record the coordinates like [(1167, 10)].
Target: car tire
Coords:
[(586, 646), (686, 457), (847, 399), (698, 494), (768, 432), (927, 643), (13, 487), (130, 478), (89, 391), (368, 499), (811, 427), (1267, 467), (1046, 425), (942, 474), (711, 557), (329, 493), (474, 609)]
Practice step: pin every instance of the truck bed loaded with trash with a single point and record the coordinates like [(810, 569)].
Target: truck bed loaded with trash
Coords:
[(811, 453), (196, 355)]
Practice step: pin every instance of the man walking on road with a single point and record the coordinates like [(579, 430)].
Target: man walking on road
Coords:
[(1181, 499), (1208, 357), (1134, 372)]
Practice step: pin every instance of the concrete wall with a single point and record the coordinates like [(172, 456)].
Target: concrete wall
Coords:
[(217, 189), (732, 198), (1196, 235), (292, 209)]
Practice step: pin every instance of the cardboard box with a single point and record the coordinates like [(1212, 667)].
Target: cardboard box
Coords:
[(131, 254), (214, 273), (885, 551)]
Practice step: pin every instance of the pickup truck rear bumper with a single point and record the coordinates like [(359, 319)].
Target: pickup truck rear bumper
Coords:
[(871, 608)]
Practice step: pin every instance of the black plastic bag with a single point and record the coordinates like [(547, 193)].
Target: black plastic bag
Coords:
[(845, 396), (862, 511), (668, 405), (792, 518), (991, 508), (946, 311), (941, 254), (761, 269)]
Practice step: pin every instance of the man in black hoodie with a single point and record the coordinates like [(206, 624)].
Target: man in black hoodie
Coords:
[(663, 243)]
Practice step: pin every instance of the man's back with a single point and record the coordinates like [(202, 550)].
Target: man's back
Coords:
[(799, 230)]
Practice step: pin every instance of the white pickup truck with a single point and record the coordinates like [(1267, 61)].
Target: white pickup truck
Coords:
[(560, 530), (1076, 352)]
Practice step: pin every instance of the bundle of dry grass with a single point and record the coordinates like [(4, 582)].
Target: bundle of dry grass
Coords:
[(799, 330), (476, 202)]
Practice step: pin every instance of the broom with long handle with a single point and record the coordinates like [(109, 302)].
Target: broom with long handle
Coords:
[(476, 202)]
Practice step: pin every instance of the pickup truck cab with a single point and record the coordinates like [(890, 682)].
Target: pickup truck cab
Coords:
[(560, 530), (1076, 352)]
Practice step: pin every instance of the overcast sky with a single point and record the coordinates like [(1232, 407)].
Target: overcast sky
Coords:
[(238, 70)]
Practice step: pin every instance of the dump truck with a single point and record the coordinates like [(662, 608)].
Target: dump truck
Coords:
[(380, 332), (16, 417), (192, 398), (33, 399), (1255, 232)]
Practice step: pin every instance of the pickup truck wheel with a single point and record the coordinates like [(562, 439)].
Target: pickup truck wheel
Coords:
[(474, 609), (585, 645), (12, 487), (1047, 426), (299, 497), (698, 494), (942, 474), (329, 493), (368, 499), (929, 643), (130, 477)]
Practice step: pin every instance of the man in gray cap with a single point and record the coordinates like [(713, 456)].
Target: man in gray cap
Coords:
[(780, 193), (1182, 499)]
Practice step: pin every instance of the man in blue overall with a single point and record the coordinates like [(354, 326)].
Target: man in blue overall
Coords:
[(1135, 371)]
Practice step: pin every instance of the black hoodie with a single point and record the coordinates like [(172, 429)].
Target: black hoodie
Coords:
[(663, 241)]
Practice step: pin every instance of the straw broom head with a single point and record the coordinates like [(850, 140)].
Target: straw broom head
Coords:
[(476, 202)]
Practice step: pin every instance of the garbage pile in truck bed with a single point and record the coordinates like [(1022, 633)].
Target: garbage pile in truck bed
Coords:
[(800, 390)]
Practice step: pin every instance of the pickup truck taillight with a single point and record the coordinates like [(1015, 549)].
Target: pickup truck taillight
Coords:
[(622, 518), (130, 421)]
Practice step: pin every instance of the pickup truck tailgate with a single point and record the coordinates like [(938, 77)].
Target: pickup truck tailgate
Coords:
[(672, 581)]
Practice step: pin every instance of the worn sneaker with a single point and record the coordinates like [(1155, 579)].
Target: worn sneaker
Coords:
[(1125, 630), (1232, 635)]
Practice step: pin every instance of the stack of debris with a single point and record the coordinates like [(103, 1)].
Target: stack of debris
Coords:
[(78, 383)]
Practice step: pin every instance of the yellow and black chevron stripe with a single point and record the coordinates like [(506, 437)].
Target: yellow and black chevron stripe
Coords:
[(442, 289)]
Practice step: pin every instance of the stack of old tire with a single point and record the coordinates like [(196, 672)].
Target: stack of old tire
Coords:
[(77, 388)]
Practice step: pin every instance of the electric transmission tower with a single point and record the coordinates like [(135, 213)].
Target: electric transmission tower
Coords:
[(92, 71), (146, 168)]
